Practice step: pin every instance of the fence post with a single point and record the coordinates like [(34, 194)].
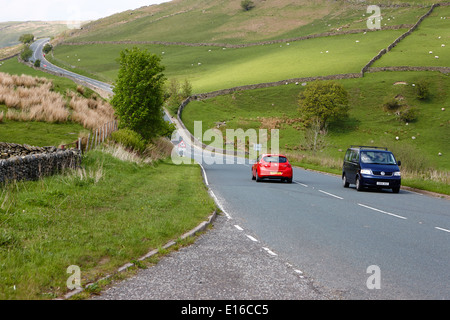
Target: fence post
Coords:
[(87, 143)]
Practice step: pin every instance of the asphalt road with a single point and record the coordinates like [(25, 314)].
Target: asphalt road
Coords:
[(339, 236), (312, 239), (37, 48)]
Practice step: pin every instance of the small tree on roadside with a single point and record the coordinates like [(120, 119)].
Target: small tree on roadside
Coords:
[(47, 48), (139, 93), (324, 100), (315, 136), (186, 89), (26, 38), (26, 53)]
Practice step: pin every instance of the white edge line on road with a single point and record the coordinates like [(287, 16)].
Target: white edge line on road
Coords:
[(330, 194), (251, 238), (204, 175), (302, 184), (238, 227), (212, 193), (270, 251), (442, 229), (219, 204), (388, 213)]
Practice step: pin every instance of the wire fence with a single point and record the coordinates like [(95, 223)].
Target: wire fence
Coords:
[(100, 134), (95, 138)]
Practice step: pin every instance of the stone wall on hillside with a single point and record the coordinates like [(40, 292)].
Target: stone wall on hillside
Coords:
[(24, 162)]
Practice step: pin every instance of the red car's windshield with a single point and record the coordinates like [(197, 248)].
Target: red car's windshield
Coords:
[(275, 159)]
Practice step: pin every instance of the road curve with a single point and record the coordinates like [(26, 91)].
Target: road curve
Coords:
[(357, 245), (37, 48)]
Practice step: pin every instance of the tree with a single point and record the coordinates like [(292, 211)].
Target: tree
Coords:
[(47, 48), (139, 93), (247, 5), (26, 54), (326, 100), (26, 38)]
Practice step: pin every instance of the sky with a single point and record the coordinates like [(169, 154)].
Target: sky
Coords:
[(63, 10)]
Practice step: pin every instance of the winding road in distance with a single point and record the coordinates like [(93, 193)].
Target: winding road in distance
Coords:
[(363, 245), (37, 48)]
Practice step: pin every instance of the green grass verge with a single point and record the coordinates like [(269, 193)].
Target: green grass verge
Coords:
[(39, 133), (113, 214)]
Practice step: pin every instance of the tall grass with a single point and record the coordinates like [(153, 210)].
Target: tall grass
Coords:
[(33, 99)]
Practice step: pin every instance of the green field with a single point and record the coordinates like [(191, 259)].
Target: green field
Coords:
[(415, 49), (214, 68), (367, 124)]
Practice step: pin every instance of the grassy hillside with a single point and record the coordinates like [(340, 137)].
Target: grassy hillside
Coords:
[(11, 31), (213, 68), (367, 124), (433, 36), (219, 21)]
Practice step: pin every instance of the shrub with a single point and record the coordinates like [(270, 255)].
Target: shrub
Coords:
[(247, 5), (409, 114), (391, 104), (422, 90), (129, 139)]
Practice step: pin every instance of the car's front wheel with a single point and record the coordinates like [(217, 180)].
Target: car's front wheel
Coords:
[(359, 186), (396, 189)]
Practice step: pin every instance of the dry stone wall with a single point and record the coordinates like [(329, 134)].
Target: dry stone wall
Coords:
[(24, 162)]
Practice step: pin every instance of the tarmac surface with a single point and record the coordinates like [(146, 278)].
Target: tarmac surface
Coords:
[(222, 264)]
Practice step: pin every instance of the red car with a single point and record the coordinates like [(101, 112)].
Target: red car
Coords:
[(272, 166)]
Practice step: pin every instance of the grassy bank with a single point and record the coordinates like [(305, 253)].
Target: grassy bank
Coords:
[(98, 218), (418, 145)]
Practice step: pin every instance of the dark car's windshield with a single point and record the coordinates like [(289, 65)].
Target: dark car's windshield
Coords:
[(275, 159), (377, 157)]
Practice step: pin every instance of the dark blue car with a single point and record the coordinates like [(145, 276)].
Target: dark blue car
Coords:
[(371, 167)]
